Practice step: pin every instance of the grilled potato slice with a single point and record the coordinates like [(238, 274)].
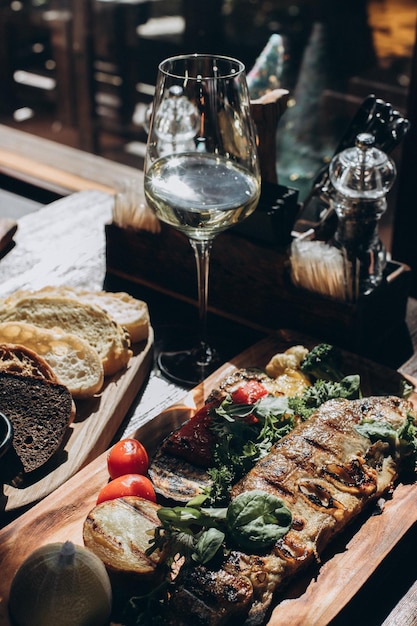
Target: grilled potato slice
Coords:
[(119, 531)]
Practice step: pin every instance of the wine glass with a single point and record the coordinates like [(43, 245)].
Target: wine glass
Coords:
[(202, 172)]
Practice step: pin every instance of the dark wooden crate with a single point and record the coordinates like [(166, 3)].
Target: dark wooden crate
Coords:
[(249, 282)]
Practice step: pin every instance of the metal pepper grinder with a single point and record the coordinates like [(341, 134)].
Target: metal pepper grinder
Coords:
[(361, 178)]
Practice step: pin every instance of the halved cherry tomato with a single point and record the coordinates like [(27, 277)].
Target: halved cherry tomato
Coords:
[(249, 393), (128, 485), (127, 456)]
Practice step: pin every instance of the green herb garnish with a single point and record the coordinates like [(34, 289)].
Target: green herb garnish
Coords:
[(402, 441), (245, 433), (322, 390), (253, 520)]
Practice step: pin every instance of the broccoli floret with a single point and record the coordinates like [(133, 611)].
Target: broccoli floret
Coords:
[(323, 362), (313, 397)]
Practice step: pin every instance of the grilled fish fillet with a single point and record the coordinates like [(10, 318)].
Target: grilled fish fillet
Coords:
[(326, 473)]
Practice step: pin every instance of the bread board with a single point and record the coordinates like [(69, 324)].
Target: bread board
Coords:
[(60, 516), (96, 422)]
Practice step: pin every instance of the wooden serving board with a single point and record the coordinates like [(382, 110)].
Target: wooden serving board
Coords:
[(60, 516), (96, 422)]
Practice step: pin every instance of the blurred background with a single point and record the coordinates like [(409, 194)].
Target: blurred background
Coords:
[(82, 72)]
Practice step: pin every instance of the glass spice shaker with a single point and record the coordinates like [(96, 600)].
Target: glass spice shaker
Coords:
[(360, 179)]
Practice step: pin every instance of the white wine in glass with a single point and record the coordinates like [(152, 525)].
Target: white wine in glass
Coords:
[(202, 172)]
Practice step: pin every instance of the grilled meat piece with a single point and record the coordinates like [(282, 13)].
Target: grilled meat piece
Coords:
[(329, 450), (209, 597), (326, 473)]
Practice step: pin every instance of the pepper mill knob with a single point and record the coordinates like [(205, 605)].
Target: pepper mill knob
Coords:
[(364, 141), (361, 177)]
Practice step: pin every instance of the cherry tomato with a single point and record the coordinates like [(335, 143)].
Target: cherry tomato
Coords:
[(127, 456), (128, 485), (249, 393)]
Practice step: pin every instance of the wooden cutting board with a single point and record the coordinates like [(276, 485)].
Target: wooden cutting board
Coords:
[(96, 422), (60, 516)]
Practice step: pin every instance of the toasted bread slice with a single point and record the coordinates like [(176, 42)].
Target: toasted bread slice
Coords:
[(75, 363), (40, 412), (89, 322), (119, 532), (18, 359), (131, 313)]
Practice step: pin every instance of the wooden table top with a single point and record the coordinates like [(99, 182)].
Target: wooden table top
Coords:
[(80, 218)]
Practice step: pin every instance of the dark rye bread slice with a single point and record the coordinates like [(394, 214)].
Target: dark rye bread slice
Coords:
[(17, 359), (40, 412)]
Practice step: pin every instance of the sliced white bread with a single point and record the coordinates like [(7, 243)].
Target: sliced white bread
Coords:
[(91, 323), (130, 313), (75, 363)]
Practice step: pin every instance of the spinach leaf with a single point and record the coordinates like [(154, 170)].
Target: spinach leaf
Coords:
[(208, 544), (256, 520)]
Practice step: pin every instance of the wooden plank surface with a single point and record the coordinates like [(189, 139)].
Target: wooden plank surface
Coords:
[(49, 163), (60, 516)]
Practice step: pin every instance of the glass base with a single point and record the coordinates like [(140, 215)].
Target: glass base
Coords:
[(188, 367)]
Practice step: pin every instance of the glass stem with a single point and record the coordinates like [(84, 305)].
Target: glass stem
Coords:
[(202, 251)]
